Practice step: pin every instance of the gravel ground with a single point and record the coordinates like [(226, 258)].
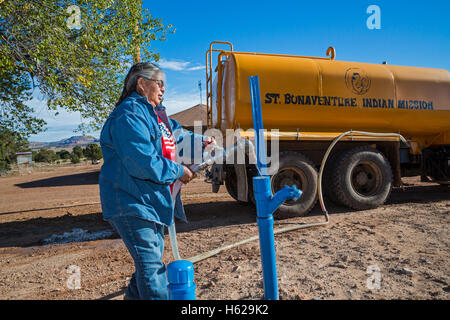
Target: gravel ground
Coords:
[(397, 251)]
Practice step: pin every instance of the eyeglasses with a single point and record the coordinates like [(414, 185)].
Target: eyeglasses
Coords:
[(160, 83)]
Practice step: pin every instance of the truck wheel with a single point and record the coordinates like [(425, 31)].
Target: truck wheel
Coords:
[(362, 178), (252, 171), (330, 167), (231, 184), (295, 168)]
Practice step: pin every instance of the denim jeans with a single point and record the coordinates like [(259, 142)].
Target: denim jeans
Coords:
[(145, 241)]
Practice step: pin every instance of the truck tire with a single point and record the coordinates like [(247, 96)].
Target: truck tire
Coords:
[(330, 167), (231, 184), (362, 178), (252, 171), (295, 168)]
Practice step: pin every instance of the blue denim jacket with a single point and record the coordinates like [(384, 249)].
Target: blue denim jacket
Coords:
[(135, 177)]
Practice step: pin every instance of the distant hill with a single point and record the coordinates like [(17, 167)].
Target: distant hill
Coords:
[(69, 143)]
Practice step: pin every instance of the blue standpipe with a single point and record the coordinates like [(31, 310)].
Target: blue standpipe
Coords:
[(266, 204), (180, 274)]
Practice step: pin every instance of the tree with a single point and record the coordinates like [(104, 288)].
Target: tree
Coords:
[(76, 52), (11, 142), (45, 155), (74, 158), (15, 91), (63, 154), (78, 151), (93, 152)]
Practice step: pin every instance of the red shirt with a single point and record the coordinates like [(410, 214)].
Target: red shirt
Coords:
[(168, 143)]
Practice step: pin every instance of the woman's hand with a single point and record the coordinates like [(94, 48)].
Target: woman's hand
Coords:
[(187, 176), (208, 140)]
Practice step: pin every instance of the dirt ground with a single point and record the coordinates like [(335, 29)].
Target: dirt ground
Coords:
[(398, 251)]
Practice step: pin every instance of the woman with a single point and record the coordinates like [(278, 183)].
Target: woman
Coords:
[(138, 145)]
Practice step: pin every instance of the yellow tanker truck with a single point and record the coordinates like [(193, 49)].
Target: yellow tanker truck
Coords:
[(314, 100)]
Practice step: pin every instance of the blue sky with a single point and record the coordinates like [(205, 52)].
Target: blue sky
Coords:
[(412, 33)]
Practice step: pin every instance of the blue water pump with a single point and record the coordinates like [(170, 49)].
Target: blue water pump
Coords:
[(181, 272), (180, 275), (266, 204)]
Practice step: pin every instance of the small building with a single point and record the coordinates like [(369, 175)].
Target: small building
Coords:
[(187, 117), (24, 158)]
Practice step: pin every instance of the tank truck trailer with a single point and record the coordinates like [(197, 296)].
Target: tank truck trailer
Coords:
[(383, 122)]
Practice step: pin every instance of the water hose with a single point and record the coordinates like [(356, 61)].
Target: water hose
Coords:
[(216, 251), (205, 255), (210, 158), (173, 241)]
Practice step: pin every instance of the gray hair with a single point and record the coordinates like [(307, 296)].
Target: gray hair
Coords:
[(142, 69)]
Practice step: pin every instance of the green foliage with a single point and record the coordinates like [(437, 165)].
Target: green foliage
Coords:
[(75, 158), (77, 69), (10, 143), (15, 91), (78, 151), (93, 152), (45, 155), (4, 165), (63, 154)]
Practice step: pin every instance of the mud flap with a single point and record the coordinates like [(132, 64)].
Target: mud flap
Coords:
[(216, 177)]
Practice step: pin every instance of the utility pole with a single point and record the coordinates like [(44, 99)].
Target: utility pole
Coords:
[(200, 88)]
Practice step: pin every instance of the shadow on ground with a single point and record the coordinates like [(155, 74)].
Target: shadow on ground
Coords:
[(67, 180), (32, 232), (200, 216)]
